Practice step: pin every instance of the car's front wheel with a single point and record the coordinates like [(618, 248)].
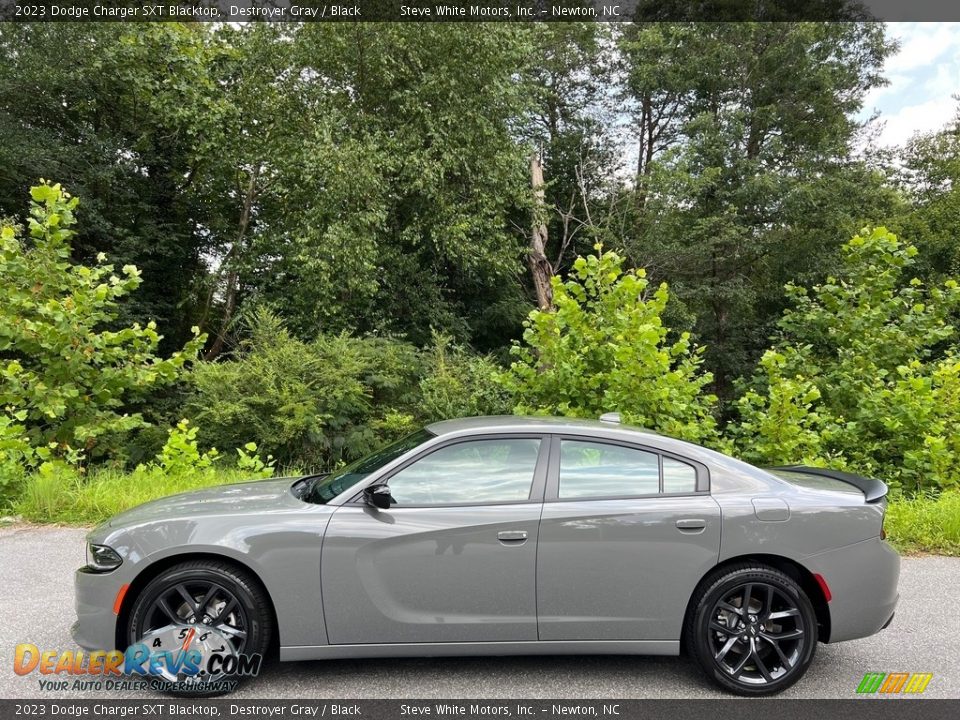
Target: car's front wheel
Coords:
[(209, 607), (752, 629)]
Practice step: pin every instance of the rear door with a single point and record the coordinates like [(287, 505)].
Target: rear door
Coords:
[(625, 536), (453, 560)]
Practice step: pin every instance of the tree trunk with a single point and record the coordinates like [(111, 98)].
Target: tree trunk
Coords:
[(540, 267), (233, 277)]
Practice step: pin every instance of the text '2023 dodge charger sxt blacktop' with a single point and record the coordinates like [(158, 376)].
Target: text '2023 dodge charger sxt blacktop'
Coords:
[(509, 536)]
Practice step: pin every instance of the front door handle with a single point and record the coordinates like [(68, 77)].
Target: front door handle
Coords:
[(691, 524), (516, 536)]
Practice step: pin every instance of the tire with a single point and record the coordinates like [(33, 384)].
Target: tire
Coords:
[(762, 651), (238, 605)]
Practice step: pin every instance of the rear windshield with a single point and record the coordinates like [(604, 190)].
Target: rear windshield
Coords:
[(815, 482)]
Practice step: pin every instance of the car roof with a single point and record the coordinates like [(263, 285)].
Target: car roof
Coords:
[(521, 423)]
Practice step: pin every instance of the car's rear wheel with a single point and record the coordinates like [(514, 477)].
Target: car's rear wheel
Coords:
[(206, 606), (752, 629)]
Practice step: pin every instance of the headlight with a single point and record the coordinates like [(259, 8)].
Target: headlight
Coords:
[(101, 558)]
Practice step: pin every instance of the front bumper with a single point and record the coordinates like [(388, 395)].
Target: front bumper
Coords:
[(96, 625), (863, 581)]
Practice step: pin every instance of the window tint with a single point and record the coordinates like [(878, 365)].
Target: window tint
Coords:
[(678, 477), (326, 487), (474, 472), (597, 470)]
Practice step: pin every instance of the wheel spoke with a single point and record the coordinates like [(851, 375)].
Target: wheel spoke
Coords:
[(746, 598), (776, 646), (723, 605), (222, 616), (725, 649), (231, 631), (740, 665), (166, 610), (190, 600), (769, 606), (759, 663), (780, 614), (714, 625), (207, 598), (788, 635)]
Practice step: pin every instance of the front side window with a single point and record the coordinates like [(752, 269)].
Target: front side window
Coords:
[(323, 488), (589, 469), (469, 473)]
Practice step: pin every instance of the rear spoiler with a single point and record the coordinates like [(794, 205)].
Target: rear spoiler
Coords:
[(872, 489)]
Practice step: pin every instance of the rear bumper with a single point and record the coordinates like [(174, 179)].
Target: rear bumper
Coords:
[(96, 625), (863, 581)]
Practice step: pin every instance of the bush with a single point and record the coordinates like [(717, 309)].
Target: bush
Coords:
[(68, 373), (457, 383), (310, 404), (59, 492), (605, 348), (864, 374)]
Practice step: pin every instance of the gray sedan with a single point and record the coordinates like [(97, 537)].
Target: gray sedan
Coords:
[(505, 536)]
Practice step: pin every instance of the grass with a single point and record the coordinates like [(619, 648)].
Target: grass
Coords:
[(925, 524), (78, 500), (919, 525)]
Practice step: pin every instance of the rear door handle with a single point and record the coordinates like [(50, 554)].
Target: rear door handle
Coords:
[(512, 535), (692, 524)]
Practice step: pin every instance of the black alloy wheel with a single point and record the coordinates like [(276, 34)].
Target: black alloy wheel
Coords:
[(213, 605), (753, 630)]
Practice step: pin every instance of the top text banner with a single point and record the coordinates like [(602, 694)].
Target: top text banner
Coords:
[(475, 10)]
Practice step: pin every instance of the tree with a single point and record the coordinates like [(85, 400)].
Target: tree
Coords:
[(567, 77), (405, 185), (864, 372), (120, 113), (746, 175), (930, 178), (605, 348), (67, 371)]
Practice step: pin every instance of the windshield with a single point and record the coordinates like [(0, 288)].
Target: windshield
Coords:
[(326, 487)]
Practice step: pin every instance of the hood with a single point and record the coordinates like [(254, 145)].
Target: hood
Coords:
[(242, 498)]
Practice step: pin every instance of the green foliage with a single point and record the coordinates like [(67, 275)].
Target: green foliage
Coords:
[(304, 403), (249, 461), (605, 348), (180, 454), (68, 372), (60, 492), (858, 375), (457, 383), (929, 173), (925, 524), (780, 426), (738, 189), (62, 495)]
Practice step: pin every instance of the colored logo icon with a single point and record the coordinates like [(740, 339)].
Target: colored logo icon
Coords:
[(894, 683)]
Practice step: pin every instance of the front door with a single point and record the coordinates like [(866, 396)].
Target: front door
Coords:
[(626, 535), (453, 560)]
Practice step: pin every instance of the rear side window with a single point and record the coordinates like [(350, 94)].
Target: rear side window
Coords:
[(589, 469), (678, 476)]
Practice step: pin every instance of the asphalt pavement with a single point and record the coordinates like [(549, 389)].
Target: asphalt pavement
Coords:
[(36, 594)]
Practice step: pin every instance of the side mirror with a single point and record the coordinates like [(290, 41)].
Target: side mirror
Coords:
[(378, 496)]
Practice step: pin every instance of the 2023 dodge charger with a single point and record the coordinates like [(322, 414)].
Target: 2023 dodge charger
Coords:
[(508, 535)]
